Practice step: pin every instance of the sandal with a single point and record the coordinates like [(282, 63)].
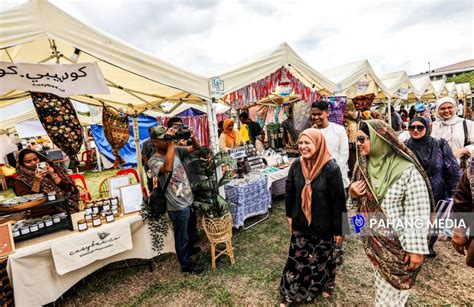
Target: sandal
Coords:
[(327, 293)]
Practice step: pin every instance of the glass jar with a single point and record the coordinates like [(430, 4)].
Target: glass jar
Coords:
[(24, 230), (34, 227), (88, 217), (82, 225), (56, 218), (96, 221), (48, 222), (109, 217), (52, 196)]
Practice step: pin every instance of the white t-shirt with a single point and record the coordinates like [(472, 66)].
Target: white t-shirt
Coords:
[(338, 145)]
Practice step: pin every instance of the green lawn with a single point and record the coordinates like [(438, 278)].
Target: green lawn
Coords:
[(260, 257)]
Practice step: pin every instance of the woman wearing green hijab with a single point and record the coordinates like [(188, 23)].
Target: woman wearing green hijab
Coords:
[(393, 196)]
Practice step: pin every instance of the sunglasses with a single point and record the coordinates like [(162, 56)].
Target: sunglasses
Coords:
[(361, 139), (416, 127)]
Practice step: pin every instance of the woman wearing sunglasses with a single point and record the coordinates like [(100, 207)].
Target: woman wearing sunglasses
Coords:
[(438, 161), (390, 185)]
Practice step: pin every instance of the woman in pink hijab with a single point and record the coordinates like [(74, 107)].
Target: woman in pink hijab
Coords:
[(315, 207)]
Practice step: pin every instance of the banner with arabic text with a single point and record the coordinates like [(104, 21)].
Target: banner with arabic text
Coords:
[(63, 80)]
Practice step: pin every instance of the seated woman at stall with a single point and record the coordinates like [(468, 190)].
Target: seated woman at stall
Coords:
[(31, 178), (229, 137)]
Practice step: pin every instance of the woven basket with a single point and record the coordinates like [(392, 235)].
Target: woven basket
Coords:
[(218, 230)]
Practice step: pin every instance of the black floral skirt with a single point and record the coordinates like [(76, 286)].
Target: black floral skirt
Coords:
[(310, 269)]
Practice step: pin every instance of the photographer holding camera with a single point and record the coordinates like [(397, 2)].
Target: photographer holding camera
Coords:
[(37, 174), (169, 159)]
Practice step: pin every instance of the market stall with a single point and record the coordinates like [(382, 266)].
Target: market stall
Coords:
[(423, 88), (262, 86), (32, 267), (38, 36)]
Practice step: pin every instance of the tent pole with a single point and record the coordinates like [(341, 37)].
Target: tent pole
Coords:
[(136, 136), (212, 117), (213, 136), (389, 106)]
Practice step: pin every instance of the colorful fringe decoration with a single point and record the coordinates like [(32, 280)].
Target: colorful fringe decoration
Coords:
[(261, 89)]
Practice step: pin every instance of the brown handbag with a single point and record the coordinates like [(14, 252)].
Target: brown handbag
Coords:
[(470, 253)]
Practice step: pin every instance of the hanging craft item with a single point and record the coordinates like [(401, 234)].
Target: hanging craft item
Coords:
[(285, 86), (337, 108), (261, 89), (59, 119), (116, 130), (301, 114), (363, 102)]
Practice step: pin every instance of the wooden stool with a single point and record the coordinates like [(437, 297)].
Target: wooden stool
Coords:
[(219, 231)]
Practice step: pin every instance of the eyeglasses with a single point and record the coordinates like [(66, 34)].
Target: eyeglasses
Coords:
[(361, 139), (416, 127)]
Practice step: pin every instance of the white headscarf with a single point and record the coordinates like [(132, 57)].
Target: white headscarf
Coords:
[(451, 129), (453, 120)]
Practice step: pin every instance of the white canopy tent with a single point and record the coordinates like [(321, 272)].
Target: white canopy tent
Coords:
[(463, 90), (347, 77), (266, 63), (451, 88), (39, 32), (423, 88), (439, 88), (396, 82)]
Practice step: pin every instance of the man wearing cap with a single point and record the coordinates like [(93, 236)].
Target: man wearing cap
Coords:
[(169, 159)]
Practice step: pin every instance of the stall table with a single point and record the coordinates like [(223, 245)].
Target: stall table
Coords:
[(33, 273), (276, 179), (250, 197)]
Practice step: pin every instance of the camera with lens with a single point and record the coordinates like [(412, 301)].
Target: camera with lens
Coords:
[(183, 133)]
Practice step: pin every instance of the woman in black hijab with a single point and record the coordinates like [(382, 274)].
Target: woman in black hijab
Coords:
[(437, 159)]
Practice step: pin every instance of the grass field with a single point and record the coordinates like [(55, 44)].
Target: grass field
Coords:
[(260, 257)]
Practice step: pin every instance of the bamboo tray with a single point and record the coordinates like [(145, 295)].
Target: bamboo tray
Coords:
[(5, 209)]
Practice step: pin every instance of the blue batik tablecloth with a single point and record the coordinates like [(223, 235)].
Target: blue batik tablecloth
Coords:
[(250, 197)]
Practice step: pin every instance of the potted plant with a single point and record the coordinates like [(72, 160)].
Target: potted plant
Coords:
[(216, 220)]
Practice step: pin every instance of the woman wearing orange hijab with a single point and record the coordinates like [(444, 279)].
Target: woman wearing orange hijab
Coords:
[(229, 137), (315, 207)]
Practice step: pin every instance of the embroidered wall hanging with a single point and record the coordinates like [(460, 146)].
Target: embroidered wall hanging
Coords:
[(116, 130), (363, 102), (59, 119)]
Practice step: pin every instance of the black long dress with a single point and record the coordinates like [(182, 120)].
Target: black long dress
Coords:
[(311, 266)]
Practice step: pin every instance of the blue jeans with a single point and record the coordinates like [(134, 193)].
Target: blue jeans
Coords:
[(180, 221)]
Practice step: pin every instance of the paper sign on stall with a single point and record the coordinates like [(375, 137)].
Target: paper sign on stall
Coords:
[(115, 183), (362, 87), (402, 93), (63, 80), (77, 251), (238, 152)]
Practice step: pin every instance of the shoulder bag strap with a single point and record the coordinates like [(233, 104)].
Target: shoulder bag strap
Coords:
[(466, 136)]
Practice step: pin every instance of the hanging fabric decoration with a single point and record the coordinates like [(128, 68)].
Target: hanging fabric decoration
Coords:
[(116, 130), (60, 121), (337, 108), (199, 123), (242, 98), (363, 102)]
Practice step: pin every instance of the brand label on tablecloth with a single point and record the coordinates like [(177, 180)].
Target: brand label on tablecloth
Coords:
[(63, 80), (78, 251)]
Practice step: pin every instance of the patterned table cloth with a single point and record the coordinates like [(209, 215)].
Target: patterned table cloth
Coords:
[(250, 197)]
